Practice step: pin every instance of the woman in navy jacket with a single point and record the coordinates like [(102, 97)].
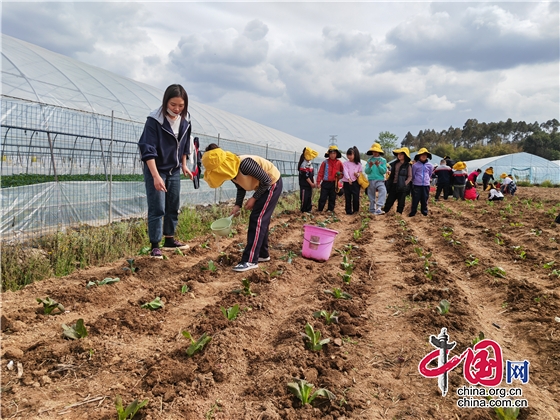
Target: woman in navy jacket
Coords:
[(164, 147)]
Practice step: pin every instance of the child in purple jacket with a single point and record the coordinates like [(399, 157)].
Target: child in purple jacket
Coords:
[(422, 171)]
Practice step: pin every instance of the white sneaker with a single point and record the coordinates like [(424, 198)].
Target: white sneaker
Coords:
[(245, 267), (379, 212), (264, 259)]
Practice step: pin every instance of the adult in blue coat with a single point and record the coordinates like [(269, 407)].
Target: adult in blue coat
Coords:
[(164, 147)]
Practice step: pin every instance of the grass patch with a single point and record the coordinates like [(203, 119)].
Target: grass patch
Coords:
[(61, 253)]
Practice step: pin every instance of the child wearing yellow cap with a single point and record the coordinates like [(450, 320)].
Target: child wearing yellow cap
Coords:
[(330, 172), (248, 173), (306, 178)]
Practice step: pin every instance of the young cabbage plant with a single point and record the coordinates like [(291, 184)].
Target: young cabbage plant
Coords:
[(347, 264), (179, 252), (549, 264), (211, 267), (75, 332), (49, 305), (198, 345), (246, 289), (131, 267), (154, 304), (303, 391), (346, 277), (472, 262), (230, 313), (289, 257), (103, 282), (312, 338), (130, 411), (184, 288), (338, 294), (478, 338), (497, 272), (443, 307), (506, 413), (330, 318)]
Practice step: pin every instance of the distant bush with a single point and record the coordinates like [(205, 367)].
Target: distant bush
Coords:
[(524, 184), (548, 184)]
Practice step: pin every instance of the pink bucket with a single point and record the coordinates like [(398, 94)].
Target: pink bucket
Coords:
[(317, 242)]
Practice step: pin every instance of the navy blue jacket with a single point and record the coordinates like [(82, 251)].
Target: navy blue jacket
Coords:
[(158, 142)]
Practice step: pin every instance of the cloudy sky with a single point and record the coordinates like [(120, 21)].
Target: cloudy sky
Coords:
[(320, 68)]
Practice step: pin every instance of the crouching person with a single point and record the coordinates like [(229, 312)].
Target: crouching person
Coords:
[(248, 173)]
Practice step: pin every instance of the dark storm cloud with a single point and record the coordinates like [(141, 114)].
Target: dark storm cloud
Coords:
[(481, 37)]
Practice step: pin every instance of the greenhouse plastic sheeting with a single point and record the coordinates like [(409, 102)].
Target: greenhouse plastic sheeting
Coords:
[(49, 207), (523, 166)]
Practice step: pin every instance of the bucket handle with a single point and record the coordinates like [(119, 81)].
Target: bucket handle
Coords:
[(318, 243)]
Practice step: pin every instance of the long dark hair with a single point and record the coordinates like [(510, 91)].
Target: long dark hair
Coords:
[(301, 158), (175, 91), (356, 153)]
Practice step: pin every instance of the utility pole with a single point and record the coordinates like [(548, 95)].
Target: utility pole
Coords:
[(333, 141)]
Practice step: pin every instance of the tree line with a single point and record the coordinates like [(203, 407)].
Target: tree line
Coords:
[(479, 140)]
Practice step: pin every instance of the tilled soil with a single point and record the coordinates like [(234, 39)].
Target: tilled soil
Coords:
[(371, 361)]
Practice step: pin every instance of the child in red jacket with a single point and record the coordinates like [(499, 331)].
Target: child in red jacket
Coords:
[(329, 173)]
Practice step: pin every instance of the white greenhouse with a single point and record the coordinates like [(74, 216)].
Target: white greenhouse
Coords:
[(62, 119), (523, 166)]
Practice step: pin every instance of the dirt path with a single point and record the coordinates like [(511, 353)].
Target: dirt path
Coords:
[(371, 363)]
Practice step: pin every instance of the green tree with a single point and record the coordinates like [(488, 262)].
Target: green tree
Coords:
[(388, 141)]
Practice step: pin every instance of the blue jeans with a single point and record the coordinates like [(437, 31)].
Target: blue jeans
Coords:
[(162, 204), (374, 186)]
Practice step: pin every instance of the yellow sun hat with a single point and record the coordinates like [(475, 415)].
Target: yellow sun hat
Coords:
[(220, 166), (504, 175), (402, 150), (333, 147), (309, 154), (375, 147), (459, 166), (422, 151)]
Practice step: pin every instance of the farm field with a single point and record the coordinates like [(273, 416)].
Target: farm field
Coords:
[(492, 263)]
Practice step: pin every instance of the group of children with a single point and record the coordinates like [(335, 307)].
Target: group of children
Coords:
[(386, 184)]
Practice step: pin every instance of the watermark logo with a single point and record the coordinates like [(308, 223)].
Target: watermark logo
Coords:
[(483, 365)]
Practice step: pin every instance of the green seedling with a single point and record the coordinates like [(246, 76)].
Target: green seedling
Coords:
[(472, 262), (536, 232), (303, 391), (329, 318), (419, 251), (347, 265), (346, 278), (230, 313), (232, 233), (184, 288), (289, 257), (496, 272), (198, 345), (179, 252), (130, 411), (246, 289), (312, 338), (357, 234), (555, 273), (211, 267), (103, 282), (153, 305), (275, 273), (413, 239), (145, 250), (205, 245), (131, 267), (443, 307), (76, 331), (49, 305), (506, 413), (338, 294), (478, 338), (549, 264)]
